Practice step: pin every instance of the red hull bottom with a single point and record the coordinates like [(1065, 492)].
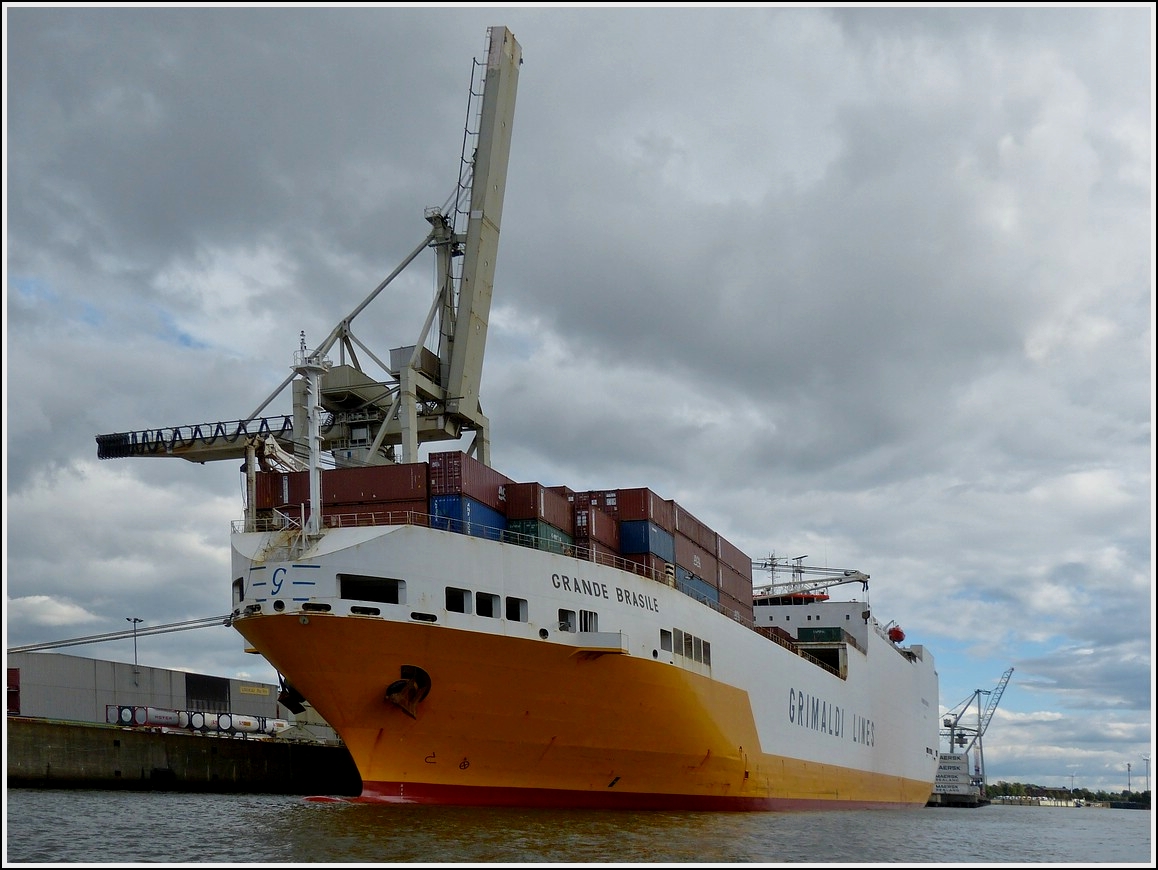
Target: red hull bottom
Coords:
[(546, 798)]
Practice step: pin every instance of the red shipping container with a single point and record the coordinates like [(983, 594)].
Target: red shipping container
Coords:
[(686, 524), (607, 500), (456, 473), (732, 556), (414, 513), (532, 501), (592, 524), (643, 504), (278, 489), (732, 605), (564, 491), (371, 483), (694, 558), (735, 584)]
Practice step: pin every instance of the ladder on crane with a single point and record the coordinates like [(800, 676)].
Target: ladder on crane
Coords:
[(426, 391)]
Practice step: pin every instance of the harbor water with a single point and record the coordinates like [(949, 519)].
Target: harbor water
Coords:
[(119, 828)]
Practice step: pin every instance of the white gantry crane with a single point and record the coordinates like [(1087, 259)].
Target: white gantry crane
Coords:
[(965, 737), (426, 391)]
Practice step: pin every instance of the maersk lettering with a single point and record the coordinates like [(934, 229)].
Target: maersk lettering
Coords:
[(818, 714)]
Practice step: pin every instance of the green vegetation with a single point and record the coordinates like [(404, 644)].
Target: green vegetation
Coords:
[(1020, 789)]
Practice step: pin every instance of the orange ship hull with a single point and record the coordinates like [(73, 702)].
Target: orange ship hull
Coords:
[(511, 721)]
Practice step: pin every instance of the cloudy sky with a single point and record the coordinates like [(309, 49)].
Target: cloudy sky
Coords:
[(869, 284)]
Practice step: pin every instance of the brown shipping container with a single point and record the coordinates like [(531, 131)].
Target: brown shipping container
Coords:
[(456, 473), (734, 583), (278, 489), (643, 504), (731, 606), (592, 524), (684, 523), (604, 499), (415, 513), (564, 491), (532, 501), (732, 556), (696, 559), (400, 482)]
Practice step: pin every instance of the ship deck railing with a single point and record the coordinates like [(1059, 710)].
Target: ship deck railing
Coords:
[(382, 515)]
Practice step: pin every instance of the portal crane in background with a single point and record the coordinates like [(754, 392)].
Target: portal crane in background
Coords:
[(964, 738), (427, 391)]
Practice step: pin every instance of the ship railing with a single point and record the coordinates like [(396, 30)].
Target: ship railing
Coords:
[(783, 638)]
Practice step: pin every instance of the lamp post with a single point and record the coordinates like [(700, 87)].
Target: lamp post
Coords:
[(134, 620)]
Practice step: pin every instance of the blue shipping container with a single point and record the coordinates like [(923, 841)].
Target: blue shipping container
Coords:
[(463, 514), (644, 536), (689, 584)]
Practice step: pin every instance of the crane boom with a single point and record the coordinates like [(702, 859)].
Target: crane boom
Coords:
[(365, 418)]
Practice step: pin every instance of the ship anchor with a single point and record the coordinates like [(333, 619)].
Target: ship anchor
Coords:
[(409, 691)]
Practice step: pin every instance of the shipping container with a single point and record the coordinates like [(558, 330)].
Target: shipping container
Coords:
[(641, 503), (607, 500), (592, 524), (276, 489), (463, 514), (732, 556), (644, 536), (538, 535), (414, 513), (686, 524), (731, 605), (696, 587), (533, 501), (457, 473), (734, 583), (564, 491), (398, 482), (690, 555)]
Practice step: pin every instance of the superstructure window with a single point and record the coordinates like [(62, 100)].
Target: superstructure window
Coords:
[(384, 590), (687, 645), (517, 609), (457, 600), (486, 604), (566, 620), (665, 639), (588, 620)]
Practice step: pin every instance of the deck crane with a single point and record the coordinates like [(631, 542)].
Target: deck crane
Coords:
[(801, 582), (964, 738), (428, 391)]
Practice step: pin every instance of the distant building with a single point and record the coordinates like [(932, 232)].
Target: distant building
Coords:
[(78, 689)]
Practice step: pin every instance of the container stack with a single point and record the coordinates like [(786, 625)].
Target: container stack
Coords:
[(656, 538), (467, 496), (596, 531), (538, 517)]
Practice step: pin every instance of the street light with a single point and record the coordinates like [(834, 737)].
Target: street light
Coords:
[(134, 620)]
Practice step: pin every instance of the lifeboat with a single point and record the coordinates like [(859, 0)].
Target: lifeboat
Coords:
[(895, 634)]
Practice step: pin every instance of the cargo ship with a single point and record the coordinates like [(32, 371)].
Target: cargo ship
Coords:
[(480, 640)]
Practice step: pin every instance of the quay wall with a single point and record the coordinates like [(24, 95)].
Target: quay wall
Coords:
[(57, 754)]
